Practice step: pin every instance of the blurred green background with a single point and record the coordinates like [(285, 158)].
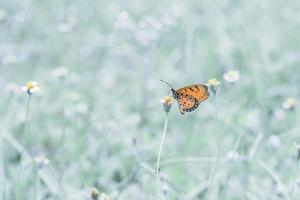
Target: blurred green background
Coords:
[(97, 120)]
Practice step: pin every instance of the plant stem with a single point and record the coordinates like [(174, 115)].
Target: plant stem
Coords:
[(214, 170), (159, 154), (216, 106), (294, 180), (37, 185), (161, 145), (27, 113)]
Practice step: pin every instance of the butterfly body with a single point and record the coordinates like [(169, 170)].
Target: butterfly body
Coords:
[(190, 97)]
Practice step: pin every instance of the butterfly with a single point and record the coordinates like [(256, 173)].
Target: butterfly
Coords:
[(189, 97)]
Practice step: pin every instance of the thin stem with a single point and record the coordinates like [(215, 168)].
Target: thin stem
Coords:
[(214, 170), (27, 113), (37, 185), (161, 145), (294, 180), (216, 106), (235, 147), (159, 154)]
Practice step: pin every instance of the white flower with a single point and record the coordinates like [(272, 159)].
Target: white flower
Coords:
[(232, 76), (213, 84), (167, 103), (274, 141), (232, 156), (289, 103), (31, 87)]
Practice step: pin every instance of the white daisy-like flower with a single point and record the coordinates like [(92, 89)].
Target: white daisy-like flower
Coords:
[(289, 103), (232, 76), (213, 84), (167, 103), (31, 87)]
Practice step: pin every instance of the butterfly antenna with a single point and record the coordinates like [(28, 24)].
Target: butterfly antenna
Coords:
[(167, 83)]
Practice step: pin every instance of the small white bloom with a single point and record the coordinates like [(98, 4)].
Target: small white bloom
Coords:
[(289, 103), (213, 84), (232, 76), (274, 141), (31, 87), (232, 156)]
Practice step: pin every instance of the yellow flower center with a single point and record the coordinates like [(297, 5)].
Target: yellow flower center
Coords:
[(167, 100), (213, 82), (30, 85), (232, 73), (291, 101)]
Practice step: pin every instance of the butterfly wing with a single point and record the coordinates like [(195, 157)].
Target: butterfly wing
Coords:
[(199, 92), (186, 103), (190, 97)]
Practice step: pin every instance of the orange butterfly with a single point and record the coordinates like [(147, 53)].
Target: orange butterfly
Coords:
[(189, 97)]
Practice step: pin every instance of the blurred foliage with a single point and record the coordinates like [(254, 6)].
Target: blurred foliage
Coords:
[(97, 115)]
